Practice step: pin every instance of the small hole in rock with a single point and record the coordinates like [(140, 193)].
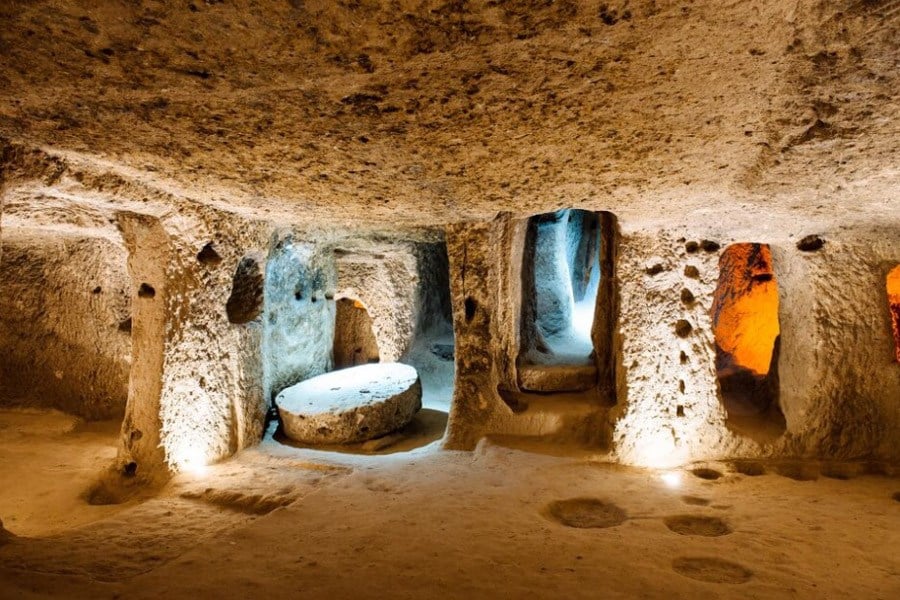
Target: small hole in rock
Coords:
[(695, 500), (798, 471), (245, 303), (704, 473), (711, 570), (130, 469), (697, 525), (470, 305), (146, 291), (810, 243), (586, 513), (208, 255)]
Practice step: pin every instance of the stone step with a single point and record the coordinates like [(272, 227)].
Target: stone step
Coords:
[(577, 418), (557, 378)]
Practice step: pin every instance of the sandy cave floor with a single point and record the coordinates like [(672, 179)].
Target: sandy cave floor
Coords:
[(50, 460), (288, 522)]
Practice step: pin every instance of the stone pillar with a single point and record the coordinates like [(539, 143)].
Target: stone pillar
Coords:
[(840, 384), (486, 296), (149, 251), (196, 391), (668, 411), (473, 290), (605, 329)]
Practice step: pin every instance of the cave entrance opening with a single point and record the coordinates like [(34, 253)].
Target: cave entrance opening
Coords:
[(747, 339)]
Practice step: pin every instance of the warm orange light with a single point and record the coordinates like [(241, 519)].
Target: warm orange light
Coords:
[(745, 306), (893, 292)]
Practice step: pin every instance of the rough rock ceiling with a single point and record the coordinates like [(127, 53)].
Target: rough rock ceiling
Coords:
[(426, 112)]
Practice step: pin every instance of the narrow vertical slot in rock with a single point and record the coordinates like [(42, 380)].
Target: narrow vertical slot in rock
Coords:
[(893, 294), (746, 329)]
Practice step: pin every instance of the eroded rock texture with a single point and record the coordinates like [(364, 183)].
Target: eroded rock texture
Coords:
[(65, 322), (428, 112), (246, 300)]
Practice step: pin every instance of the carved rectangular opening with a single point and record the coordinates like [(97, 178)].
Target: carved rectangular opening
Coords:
[(562, 279), (746, 330), (893, 294)]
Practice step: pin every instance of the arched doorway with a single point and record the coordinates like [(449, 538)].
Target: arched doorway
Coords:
[(354, 339)]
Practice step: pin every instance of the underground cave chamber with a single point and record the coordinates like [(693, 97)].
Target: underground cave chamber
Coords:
[(285, 307), (583, 299), (366, 315), (746, 330)]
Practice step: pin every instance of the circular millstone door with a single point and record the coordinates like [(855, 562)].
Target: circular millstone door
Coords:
[(350, 405)]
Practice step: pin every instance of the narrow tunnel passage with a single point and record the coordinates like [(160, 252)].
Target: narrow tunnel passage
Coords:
[(746, 330), (561, 276)]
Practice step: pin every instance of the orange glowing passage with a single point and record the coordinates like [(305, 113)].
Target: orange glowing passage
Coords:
[(893, 292), (745, 307)]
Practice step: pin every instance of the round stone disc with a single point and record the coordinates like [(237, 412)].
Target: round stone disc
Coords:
[(350, 405)]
